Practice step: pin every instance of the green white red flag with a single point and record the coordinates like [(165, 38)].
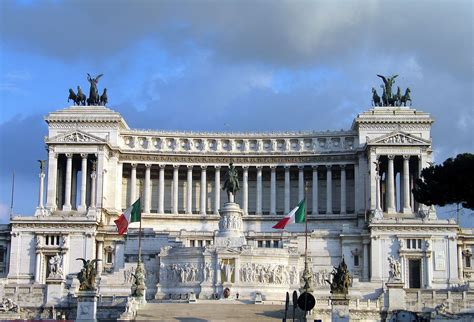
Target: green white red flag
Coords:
[(297, 215), (132, 214)]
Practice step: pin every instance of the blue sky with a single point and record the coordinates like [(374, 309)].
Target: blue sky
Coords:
[(229, 65)]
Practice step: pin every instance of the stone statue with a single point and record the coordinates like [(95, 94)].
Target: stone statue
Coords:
[(93, 92), (7, 305), (138, 287), (42, 162), (55, 266), (395, 270), (87, 275), (231, 183), (340, 279)]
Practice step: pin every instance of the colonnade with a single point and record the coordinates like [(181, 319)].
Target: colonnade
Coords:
[(204, 208)]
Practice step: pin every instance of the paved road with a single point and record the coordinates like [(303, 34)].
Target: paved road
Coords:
[(211, 311)]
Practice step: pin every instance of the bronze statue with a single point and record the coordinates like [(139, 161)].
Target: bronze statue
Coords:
[(388, 82), (405, 98), (231, 183), (375, 98), (341, 279), (93, 92), (81, 97), (72, 96), (103, 98), (42, 162), (87, 275)]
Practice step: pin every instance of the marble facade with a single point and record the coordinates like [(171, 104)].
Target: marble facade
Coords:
[(357, 184)]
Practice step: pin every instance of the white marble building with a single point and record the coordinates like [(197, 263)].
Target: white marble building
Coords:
[(357, 184)]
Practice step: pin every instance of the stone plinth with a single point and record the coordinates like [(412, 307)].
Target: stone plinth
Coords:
[(339, 308), (54, 290), (86, 306), (396, 295), (230, 226)]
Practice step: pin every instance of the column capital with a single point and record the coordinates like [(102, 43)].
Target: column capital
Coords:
[(259, 167), (84, 155), (391, 156), (190, 167), (287, 167), (68, 155), (245, 167), (162, 166), (315, 167), (203, 167), (343, 166), (217, 167), (175, 166), (301, 167), (328, 167), (406, 157), (273, 167), (134, 165), (148, 165)]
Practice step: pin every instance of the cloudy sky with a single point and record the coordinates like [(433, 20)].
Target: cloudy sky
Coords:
[(229, 65)]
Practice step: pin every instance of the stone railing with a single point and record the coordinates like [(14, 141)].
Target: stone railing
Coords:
[(25, 295), (455, 301), (354, 304), (294, 143)]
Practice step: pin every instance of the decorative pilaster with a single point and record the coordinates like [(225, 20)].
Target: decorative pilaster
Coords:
[(315, 190), (161, 190), (273, 190), (259, 190), (328, 189), (343, 189), (189, 190), (82, 206), (175, 189), (38, 266), (217, 189), (67, 189), (118, 186), (406, 185), (365, 267), (460, 263), (390, 186), (300, 183), (147, 205), (100, 257), (203, 190), (52, 180), (133, 183), (93, 185), (245, 190), (287, 189)]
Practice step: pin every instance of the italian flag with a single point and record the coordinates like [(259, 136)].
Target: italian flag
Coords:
[(297, 215), (132, 214)]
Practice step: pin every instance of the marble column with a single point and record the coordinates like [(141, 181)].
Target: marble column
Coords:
[(300, 183), (38, 267), (217, 189), (315, 190), (147, 206), (93, 186), (365, 267), (273, 190), (343, 189), (406, 185), (429, 270), (175, 190), (287, 189), (161, 190), (203, 190), (67, 191), (460, 263), (82, 206), (259, 191), (328, 189), (245, 190), (133, 183), (358, 189), (118, 187), (189, 190), (390, 186), (52, 180), (100, 257), (41, 190)]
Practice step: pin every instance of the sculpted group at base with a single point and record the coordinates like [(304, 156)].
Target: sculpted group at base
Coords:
[(207, 204)]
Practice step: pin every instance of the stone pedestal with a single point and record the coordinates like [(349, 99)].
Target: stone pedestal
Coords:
[(230, 226), (54, 290), (339, 308), (396, 296), (86, 306)]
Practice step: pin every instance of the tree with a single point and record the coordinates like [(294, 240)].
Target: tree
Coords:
[(449, 183)]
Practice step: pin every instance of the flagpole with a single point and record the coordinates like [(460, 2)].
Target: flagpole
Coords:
[(140, 240), (13, 193)]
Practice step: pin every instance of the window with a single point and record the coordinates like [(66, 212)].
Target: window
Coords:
[(192, 243), (208, 242), (408, 244), (275, 244), (199, 243), (268, 243), (109, 257), (356, 260), (260, 243)]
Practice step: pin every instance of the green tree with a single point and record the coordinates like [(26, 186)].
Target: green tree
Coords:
[(449, 183)]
